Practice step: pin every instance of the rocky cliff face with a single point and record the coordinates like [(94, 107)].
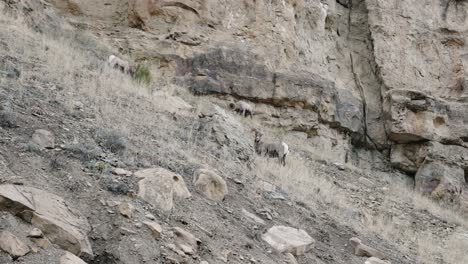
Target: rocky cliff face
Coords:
[(381, 74), (357, 89)]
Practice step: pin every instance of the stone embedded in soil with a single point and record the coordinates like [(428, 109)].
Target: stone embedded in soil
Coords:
[(126, 209), (374, 260), (291, 259), (69, 258), (210, 184), (121, 172), (155, 228), (51, 214), (41, 242), (288, 239), (254, 218), (36, 233), (12, 245), (159, 186), (362, 250), (43, 138), (185, 241)]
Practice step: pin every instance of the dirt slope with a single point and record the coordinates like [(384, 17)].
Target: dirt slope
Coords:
[(53, 76)]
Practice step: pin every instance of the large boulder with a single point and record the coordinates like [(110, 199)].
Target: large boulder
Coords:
[(12, 245), (440, 170), (159, 186), (51, 214), (288, 239), (210, 184)]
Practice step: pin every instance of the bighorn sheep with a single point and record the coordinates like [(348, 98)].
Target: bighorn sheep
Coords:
[(242, 108), (273, 150), (117, 63)]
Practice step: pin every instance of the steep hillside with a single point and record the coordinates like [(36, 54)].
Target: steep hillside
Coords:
[(369, 95)]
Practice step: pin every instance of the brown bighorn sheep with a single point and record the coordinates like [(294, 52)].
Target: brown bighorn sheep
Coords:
[(243, 108), (117, 63), (273, 150)]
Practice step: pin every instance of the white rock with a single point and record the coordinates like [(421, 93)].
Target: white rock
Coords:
[(287, 239), (159, 186), (43, 138), (36, 233), (210, 184), (69, 258), (150, 216), (126, 209), (363, 250), (12, 245), (155, 228), (121, 172)]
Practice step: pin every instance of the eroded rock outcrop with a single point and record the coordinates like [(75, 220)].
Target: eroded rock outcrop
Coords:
[(49, 213)]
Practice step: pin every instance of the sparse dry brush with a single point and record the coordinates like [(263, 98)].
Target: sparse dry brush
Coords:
[(302, 182)]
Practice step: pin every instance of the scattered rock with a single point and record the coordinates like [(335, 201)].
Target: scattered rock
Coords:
[(210, 184), (69, 258), (291, 259), (41, 242), (36, 233), (43, 138), (155, 228), (158, 187), (374, 260), (150, 216), (187, 242), (362, 250), (253, 217), (121, 172), (126, 209), (49, 213), (287, 239), (12, 245)]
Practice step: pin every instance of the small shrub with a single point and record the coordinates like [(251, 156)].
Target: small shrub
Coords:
[(111, 140), (8, 119), (142, 75), (31, 147), (85, 152), (56, 163), (101, 166)]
